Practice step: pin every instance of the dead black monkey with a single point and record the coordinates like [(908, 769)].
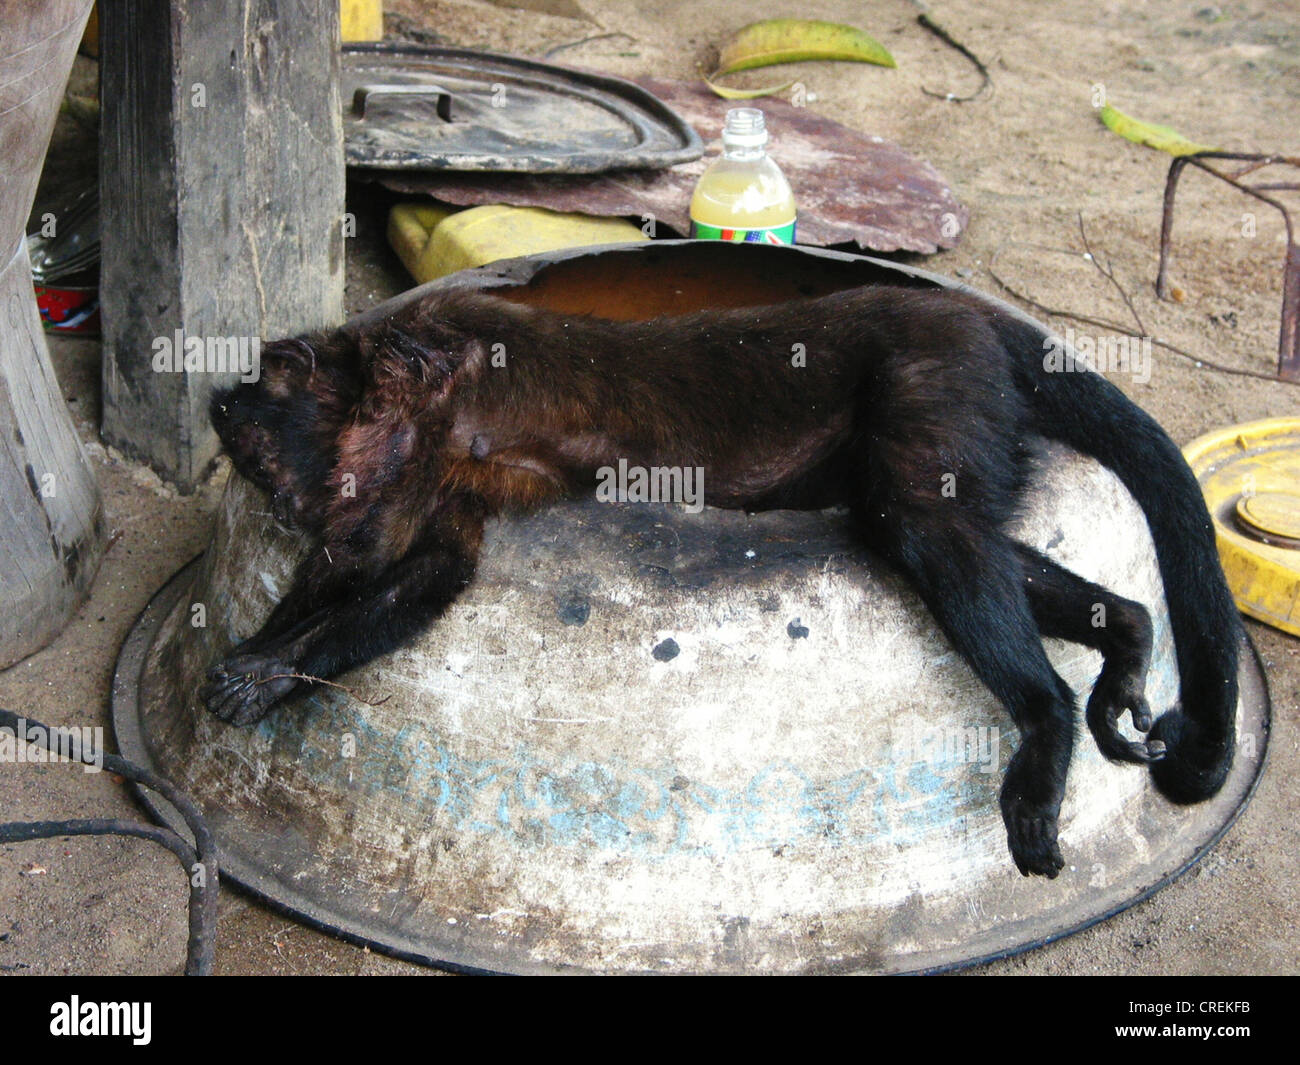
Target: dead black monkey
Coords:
[(898, 391)]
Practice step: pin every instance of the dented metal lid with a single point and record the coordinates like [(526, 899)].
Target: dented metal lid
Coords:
[(416, 107)]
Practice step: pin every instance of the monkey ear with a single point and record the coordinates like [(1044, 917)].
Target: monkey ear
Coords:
[(295, 351), (390, 353)]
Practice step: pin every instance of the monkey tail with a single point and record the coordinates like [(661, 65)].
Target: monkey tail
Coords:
[(1086, 412)]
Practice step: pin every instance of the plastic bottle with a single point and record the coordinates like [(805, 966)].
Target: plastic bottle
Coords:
[(743, 196)]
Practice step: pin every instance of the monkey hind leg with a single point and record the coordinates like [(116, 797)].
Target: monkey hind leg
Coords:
[(970, 577), (1070, 608)]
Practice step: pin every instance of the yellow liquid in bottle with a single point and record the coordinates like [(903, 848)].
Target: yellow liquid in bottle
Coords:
[(743, 196)]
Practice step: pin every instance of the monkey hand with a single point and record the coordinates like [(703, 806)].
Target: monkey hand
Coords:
[(243, 688)]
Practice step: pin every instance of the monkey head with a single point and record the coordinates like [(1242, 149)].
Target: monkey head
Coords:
[(279, 430)]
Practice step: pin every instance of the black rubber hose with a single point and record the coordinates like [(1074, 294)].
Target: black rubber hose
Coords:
[(203, 888)]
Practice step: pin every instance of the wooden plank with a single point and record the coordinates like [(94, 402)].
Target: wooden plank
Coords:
[(221, 181)]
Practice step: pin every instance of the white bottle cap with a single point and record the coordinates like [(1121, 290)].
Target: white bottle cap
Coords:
[(745, 128)]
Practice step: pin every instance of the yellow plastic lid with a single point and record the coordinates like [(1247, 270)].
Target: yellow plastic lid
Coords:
[(1250, 475)]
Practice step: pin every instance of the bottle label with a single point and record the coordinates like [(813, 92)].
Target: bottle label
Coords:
[(766, 235)]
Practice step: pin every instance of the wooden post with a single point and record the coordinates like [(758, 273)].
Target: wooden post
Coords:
[(51, 538), (221, 181)]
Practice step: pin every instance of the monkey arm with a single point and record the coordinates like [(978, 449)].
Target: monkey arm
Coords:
[(320, 580), (369, 617)]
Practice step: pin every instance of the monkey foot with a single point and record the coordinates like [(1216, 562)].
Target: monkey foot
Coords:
[(1033, 845), (243, 688), (1116, 692)]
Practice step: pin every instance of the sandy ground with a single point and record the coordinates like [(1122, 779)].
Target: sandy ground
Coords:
[(1027, 159)]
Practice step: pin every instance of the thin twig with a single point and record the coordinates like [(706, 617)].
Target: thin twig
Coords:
[(1109, 274), (1117, 327), (585, 40), (986, 78), (322, 680)]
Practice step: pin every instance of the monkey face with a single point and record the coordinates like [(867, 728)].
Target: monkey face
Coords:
[(278, 429)]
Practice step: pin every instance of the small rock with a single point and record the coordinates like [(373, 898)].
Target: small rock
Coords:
[(666, 651)]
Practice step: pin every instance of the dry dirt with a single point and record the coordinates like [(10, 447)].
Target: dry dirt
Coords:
[(1028, 159)]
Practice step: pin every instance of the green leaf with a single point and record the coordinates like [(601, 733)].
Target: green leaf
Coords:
[(1161, 137), (728, 93), (791, 40)]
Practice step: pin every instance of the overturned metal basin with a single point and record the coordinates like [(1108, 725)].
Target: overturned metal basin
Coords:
[(653, 741)]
